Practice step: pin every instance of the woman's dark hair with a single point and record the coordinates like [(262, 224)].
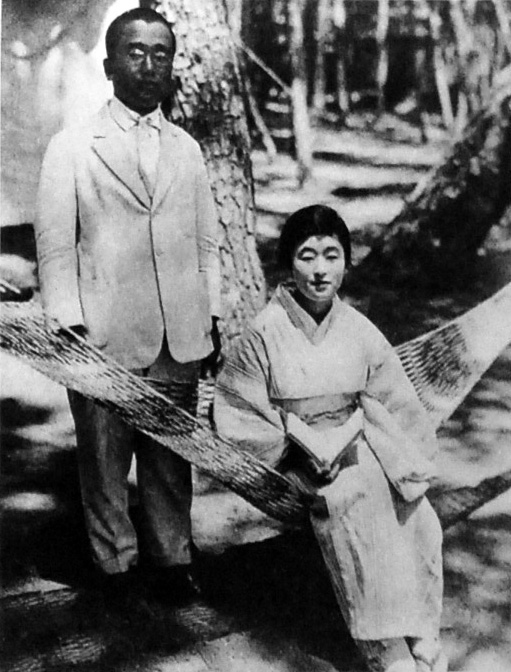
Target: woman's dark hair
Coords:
[(315, 220), (115, 29)]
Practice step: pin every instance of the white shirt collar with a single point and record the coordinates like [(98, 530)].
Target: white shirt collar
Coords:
[(126, 118)]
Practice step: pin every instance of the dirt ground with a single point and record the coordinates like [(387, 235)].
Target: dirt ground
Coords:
[(267, 603)]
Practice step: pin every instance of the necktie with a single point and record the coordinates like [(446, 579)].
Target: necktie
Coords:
[(148, 144)]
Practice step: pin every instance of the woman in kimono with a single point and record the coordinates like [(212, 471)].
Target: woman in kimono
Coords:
[(310, 373)]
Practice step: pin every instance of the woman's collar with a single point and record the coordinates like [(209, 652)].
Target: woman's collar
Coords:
[(300, 317)]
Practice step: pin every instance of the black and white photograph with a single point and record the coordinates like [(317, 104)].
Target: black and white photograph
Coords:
[(255, 336)]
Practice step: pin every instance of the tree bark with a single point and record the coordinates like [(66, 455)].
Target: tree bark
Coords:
[(446, 220), (210, 106)]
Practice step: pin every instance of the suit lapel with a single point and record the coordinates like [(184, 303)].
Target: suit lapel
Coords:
[(109, 146), (169, 162)]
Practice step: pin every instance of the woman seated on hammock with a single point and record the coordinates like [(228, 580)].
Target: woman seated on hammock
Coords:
[(315, 390)]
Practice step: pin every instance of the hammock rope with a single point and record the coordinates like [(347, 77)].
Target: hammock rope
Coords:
[(443, 364), (78, 365), (446, 363)]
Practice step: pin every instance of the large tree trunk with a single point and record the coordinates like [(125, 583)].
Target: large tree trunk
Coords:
[(210, 106), (446, 220)]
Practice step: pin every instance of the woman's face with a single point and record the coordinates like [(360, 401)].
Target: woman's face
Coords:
[(318, 270)]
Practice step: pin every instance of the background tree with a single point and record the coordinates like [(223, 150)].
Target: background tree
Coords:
[(299, 93), (439, 67), (322, 27), (447, 218), (342, 97), (235, 19), (209, 103), (382, 64)]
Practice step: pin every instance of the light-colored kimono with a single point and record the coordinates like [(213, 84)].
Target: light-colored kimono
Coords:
[(381, 539)]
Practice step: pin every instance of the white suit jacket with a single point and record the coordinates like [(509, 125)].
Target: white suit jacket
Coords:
[(127, 267)]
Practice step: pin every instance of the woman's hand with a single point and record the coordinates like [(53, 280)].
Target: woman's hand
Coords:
[(327, 473)]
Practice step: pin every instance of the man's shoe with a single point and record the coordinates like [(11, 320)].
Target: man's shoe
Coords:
[(172, 585), (119, 589)]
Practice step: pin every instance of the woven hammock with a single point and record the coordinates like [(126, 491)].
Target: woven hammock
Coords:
[(443, 365)]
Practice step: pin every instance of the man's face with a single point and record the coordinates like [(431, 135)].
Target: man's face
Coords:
[(142, 66)]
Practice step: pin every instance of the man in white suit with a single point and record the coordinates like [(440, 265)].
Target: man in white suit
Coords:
[(127, 246)]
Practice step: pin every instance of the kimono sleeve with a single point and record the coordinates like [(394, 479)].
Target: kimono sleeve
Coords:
[(396, 424), (242, 409)]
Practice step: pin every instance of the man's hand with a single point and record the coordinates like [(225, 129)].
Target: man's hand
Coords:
[(327, 473), (211, 364)]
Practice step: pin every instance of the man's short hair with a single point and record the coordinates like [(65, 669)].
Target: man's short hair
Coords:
[(113, 33), (315, 220)]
